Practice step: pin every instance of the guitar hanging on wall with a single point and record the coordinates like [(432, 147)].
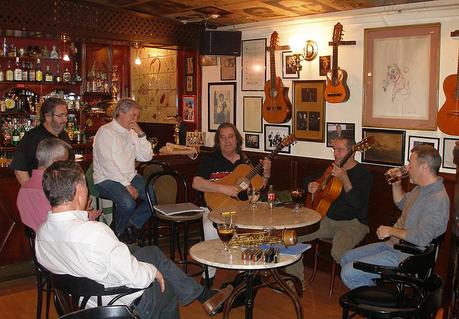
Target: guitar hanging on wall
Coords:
[(448, 116), (336, 90), (277, 107)]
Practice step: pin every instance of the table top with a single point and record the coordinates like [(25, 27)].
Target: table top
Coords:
[(209, 252), (263, 216)]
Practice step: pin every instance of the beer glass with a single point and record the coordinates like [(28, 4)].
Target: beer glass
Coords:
[(225, 233), (396, 174), (298, 197)]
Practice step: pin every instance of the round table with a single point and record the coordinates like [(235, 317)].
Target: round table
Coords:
[(209, 253)]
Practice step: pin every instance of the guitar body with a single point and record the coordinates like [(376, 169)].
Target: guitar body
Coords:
[(336, 90), (328, 191), (277, 107), (448, 116), (238, 179)]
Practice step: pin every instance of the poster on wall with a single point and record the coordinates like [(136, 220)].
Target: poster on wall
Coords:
[(222, 104), (189, 108), (154, 84), (253, 64)]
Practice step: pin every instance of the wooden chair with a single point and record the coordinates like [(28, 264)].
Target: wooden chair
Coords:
[(105, 312)]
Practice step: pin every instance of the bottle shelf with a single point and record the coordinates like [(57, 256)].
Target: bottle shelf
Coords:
[(41, 88), (29, 58)]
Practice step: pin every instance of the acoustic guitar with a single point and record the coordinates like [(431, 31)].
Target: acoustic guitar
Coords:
[(243, 177), (336, 90), (448, 116), (329, 186), (277, 107)]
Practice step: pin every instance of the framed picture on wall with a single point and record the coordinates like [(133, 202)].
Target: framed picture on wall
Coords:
[(209, 60), (388, 147), (288, 66), (324, 64), (189, 108), (400, 88), (222, 104), (252, 141), (335, 130), (448, 148), (417, 140), (227, 68), (274, 134), (189, 87), (252, 106), (253, 65), (189, 65), (309, 110)]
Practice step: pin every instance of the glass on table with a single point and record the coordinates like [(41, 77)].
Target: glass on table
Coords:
[(298, 197), (153, 141), (225, 233), (253, 195)]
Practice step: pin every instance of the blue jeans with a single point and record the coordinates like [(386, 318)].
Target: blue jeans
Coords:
[(127, 209), (381, 254), (185, 288)]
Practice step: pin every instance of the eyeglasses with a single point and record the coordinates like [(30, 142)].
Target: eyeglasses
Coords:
[(340, 149), (60, 115)]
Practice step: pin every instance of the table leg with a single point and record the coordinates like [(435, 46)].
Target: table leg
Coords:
[(249, 296), (286, 289)]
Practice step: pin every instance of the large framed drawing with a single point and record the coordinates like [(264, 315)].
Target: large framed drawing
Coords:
[(253, 65), (252, 113), (401, 66), (222, 104), (388, 147), (227, 68), (309, 110)]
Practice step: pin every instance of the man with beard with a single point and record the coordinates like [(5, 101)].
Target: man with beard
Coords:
[(53, 117)]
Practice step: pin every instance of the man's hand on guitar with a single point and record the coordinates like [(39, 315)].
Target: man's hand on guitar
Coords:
[(266, 167), (341, 174), (229, 190), (313, 187)]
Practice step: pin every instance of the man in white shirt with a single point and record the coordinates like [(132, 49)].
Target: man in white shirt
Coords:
[(117, 145), (68, 243)]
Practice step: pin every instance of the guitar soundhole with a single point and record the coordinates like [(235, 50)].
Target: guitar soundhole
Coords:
[(273, 93), (243, 196)]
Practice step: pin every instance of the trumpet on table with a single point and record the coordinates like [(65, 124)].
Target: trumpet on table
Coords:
[(285, 236)]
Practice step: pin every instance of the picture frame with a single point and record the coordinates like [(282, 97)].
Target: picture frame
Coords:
[(189, 108), (227, 68), (221, 104), (335, 130), (252, 141), (274, 134), (416, 140), (309, 110), (189, 65), (253, 119), (253, 65), (189, 85), (288, 69), (324, 64), (388, 147), (400, 88), (448, 147), (209, 60)]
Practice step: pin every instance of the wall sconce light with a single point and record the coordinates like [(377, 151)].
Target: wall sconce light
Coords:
[(137, 60), (306, 53)]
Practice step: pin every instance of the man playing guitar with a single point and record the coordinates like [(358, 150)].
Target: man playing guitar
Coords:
[(346, 220), (226, 157)]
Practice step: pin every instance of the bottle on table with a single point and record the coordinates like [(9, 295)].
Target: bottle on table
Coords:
[(271, 196)]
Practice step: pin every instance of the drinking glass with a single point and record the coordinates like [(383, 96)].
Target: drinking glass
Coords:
[(396, 174), (298, 196), (253, 195), (225, 233), (153, 141)]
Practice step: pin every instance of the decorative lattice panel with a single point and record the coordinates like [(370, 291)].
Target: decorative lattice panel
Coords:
[(92, 21)]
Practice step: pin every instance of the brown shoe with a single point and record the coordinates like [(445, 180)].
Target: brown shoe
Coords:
[(213, 304)]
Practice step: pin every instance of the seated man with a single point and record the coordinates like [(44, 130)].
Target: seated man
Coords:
[(226, 157), (68, 243), (117, 145), (425, 213), (32, 203), (346, 220)]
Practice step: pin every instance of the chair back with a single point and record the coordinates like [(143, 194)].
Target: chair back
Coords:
[(72, 293), (105, 312), (168, 187), (90, 181), (165, 187)]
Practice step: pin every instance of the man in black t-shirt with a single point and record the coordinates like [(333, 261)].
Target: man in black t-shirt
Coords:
[(227, 155), (53, 117), (346, 221)]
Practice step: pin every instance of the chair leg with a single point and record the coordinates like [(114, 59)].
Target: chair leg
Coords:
[(172, 247), (39, 294), (345, 313), (316, 256), (185, 247), (179, 249), (332, 279), (48, 295)]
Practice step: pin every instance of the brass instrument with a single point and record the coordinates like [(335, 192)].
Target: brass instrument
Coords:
[(285, 236)]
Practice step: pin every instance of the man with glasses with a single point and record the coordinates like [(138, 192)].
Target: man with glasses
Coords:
[(53, 118), (346, 221)]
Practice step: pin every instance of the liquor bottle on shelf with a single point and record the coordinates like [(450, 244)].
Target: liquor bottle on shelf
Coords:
[(38, 72), (70, 130), (6, 133), (9, 72), (32, 73), (58, 76), (2, 75), (15, 133), (66, 77), (17, 71), (25, 72), (22, 131), (76, 76), (10, 102), (5, 48), (48, 75)]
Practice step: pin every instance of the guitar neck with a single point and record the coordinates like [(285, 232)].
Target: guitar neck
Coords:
[(259, 167), (272, 63), (457, 77), (345, 158), (335, 61)]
